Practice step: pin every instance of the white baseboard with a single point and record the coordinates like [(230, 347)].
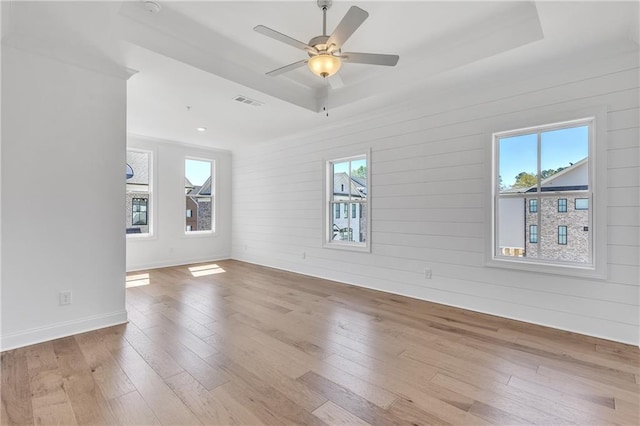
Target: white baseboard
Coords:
[(63, 329), (175, 262)]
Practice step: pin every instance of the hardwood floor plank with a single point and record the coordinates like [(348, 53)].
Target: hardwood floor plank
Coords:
[(166, 406), (333, 414), (349, 401), (203, 404), (131, 409), (16, 392), (153, 354), (105, 370), (266, 402), (88, 403)]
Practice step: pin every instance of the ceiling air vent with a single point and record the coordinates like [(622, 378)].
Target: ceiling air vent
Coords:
[(248, 101)]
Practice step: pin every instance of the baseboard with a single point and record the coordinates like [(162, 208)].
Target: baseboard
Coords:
[(63, 329), (175, 262)]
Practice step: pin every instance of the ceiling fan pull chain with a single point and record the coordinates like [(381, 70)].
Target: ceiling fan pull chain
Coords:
[(326, 99)]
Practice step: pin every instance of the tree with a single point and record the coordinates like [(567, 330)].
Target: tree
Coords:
[(525, 180), (360, 172), (550, 172)]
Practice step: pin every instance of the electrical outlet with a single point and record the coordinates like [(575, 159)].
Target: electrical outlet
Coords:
[(65, 297), (427, 273)]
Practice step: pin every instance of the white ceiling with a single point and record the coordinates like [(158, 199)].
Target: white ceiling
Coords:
[(203, 54)]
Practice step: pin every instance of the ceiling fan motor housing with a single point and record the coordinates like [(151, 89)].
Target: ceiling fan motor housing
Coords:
[(319, 42)]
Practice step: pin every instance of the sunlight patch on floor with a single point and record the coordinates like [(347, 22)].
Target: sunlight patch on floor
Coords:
[(137, 280), (204, 270)]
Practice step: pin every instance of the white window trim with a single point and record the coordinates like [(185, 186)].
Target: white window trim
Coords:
[(326, 204), (214, 198), (151, 204), (597, 269)]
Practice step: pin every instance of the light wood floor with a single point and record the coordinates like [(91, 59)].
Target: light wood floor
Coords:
[(234, 343)]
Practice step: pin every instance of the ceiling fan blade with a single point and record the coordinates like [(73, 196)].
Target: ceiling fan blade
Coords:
[(284, 38), (351, 21), (370, 58), (287, 68)]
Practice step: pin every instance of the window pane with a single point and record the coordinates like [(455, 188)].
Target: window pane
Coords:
[(518, 165), (340, 229), (533, 205), (563, 150), (360, 225), (562, 235), (137, 191), (341, 181), (582, 204), (510, 226), (198, 186), (562, 205)]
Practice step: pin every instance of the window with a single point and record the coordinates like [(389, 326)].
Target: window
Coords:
[(199, 195), (562, 235), (562, 205), (582, 204), (347, 186), (542, 168), (139, 211), (138, 193)]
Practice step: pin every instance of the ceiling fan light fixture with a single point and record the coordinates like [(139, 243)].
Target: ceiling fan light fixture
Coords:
[(324, 64)]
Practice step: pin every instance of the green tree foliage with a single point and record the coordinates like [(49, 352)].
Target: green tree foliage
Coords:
[(525, 180), (360, 172)]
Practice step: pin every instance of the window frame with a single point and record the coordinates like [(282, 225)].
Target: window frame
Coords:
[(563, 237), (214, 200), (533, 227), (563, 205), (533, 205), (151, 199), (557, 116), (328, 204), (575, 204), (146, 211)]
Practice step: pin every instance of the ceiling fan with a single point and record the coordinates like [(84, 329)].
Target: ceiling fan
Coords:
[(325, 54)]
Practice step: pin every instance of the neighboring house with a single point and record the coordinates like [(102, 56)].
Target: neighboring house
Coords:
[(349, 219), (554, 227), (198, 206), (137, 193)]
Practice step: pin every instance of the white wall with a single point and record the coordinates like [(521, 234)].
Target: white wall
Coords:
[(63, 150), (169, 245), (429, 192)]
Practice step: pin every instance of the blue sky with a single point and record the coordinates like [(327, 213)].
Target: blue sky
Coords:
[(197, 171), (344, 167), (559, 148)]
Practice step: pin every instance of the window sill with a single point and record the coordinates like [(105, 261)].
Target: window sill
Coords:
[(199, 234), (551, 268), (347, 247)]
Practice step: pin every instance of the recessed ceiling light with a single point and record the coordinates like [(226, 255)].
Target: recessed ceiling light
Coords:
[(201, 129)]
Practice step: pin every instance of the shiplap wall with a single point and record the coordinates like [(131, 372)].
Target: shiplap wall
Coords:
[(430, 167)]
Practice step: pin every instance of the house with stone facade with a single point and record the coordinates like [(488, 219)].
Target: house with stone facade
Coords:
[(349, 218), (198, 206), (137, 193), (552, 224)]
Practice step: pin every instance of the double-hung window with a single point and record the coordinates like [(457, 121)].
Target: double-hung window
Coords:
[(199, 190), (347, 203), (536, 171), (139, 217)]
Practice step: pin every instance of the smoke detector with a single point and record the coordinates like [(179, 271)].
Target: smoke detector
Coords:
[(151, 7)]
